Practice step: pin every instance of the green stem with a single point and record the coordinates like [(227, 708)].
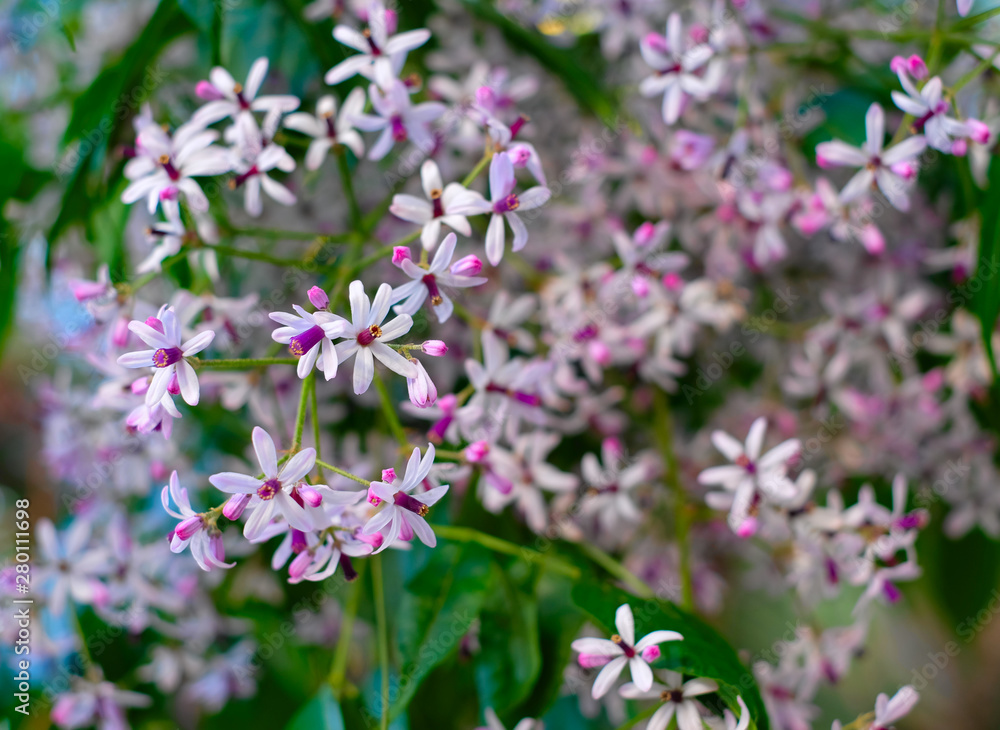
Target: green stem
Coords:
[(665, 434), (480, 166), (338, 672), (616, 569), (314, 409), (337, 470), (345, 180), (372, 258), (974, 20), (275, 233), (383, 636), (390, 412), (467, 534), (300, 414), (241, 363), (974, 73)]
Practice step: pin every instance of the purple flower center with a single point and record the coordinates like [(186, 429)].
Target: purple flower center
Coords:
[(238, 90), (436, 202), (398, 129), (516, 126), (268, 489), (587, 333), (299, 541), (404, 500), (629, 651), (368, 336), (745, 462), (166, 356), (892, 593), (507, 205), (242, 178), (172, 172), (303, 343), (331, 131), (432, 288), (672, 695), (349, 572), (376, 51), (519, 396)]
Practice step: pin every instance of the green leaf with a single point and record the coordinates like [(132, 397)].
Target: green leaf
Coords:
[(509, 659), (321, 713), (703, 652), (985, 302), (438, 608)]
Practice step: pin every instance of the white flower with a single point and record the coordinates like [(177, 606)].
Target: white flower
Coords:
[(750, 476), (622, 650), (304, 334), (74, 567), (493, 722), (169, 356), (887, 710), (676, 695), (504, 201), (227, 98), (206, 546), (252, 176), (165, 166), (403, 512), (328, 128), (368, 336), (377, 45), (890, 169), (675, 69), (433, 280), (273, 495), (448, 205)]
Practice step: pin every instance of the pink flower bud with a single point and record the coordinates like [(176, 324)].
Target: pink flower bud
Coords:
[(897, 64), (309, 495), (589, 661), (644, 234), (391, 21), (651, 653), (917, 67), (467, 266), (318, 298), (519, 155), (421, 389), (476, 451), (748, 528), (186, 529), (906, 170), (959, 147), (656, 42), (672, 281), (140, 386), (401, 254), (205, 90), (155, 324), (485, 97), (978, 131), (235, 505), (873, 240), (434, 348), (640, 286), (374, 540), (600, 352), (297, 568), (119, 336), (84, 290), (389, 475), (699, 33)]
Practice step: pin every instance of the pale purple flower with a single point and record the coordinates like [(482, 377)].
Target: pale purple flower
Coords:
[(227, 98), (328, 128), (930, 110), (275, 495), (169, 356), (446, 204), (368, 335), (750, 477), (676, 695), (73, 567), (380, 49), (99, 703), (402, 511), (165, 166), (399, 119), (889, 710), (676, 69), (252, 176), (205, 540), (504, 202), (891, 169), (420, 388), (622, 650), (307, 335), (434, 281)]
